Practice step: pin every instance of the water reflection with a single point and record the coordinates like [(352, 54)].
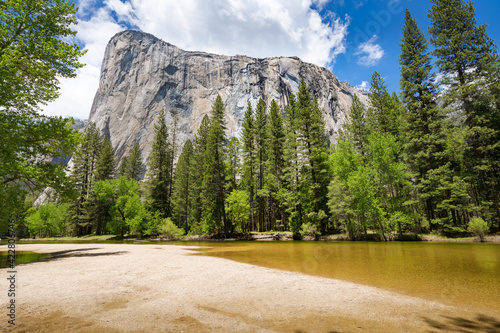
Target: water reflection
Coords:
[(22, 257), (453, 273)]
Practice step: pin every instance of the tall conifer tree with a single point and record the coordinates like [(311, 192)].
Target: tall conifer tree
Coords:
[(275, 162), (197, 170), (469, 64), (84, 167), (424, 133), (260, 151), (213, 195), (135, 166), (182, 186), (248, 149), (160, 161)]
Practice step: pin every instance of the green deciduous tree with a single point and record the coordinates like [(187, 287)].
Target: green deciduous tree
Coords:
[(126, 208), (35, 52), (48, 220), (238, 208)]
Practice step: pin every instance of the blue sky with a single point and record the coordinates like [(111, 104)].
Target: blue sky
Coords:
[(352, 38)]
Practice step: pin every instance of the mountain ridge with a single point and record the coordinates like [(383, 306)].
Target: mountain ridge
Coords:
[(142, 74)]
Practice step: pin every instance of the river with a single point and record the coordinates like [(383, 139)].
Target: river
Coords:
[(464, 274)]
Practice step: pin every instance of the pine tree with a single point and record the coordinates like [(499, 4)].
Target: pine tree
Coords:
[(105, 167), (355, 128), (313, 140), (159, 164), (105, 170), (182, 187), (260, 150), (232, 165), (197, 171), (275, 163), (424, 132), (85, 158), (134, 163), (123, 169), (291, 196), (174, 129), (248, 149), (380, 114), (469, 64), (232, 172), (213, 195)]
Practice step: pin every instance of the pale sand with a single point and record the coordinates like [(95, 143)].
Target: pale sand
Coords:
[(162, 288)]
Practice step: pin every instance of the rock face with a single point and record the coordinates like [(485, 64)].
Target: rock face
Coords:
[(141, 75)]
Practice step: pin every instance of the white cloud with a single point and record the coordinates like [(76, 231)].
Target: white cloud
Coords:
[(369, 52), (358, 3), (257, 28), (77, 94), (363, 86)]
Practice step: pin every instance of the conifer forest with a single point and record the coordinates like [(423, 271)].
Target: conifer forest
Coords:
[(421, 160)]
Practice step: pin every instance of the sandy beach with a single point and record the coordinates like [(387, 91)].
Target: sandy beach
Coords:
[(164, 288)]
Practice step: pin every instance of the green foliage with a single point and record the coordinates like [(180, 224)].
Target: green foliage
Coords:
[(48, 220), (183, 187), (134, 167), (84, 209), (170, 230), (197, 169), (479, 227), (128, 213), (309, 230), (105, 166), (213, 197), (35, 52), (355, 129), (238, 208), (28, 144), (248, 151), (160, 162), (232, 165), (469, 64)]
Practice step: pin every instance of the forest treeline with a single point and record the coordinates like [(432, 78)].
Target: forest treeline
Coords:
[(426, 160)]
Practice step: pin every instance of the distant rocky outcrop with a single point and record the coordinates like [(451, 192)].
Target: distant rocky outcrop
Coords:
[(142, 74)]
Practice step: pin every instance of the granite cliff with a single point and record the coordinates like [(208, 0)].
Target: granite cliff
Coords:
[(142, 74)]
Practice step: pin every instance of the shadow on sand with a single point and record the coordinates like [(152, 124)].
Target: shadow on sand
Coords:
[(75, 254), (482, 323)]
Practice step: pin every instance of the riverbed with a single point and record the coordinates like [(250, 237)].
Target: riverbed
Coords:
[(165, 288)]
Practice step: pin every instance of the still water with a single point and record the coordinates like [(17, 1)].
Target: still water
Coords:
[(465, 274), (22, 257)]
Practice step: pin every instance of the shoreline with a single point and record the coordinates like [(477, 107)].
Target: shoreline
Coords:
[(157, 288), (284, 236)]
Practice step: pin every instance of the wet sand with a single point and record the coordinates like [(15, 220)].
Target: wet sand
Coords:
[(163, 288)]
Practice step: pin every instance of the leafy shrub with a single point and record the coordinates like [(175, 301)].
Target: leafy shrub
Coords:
[(479, 227), (309, 230), (170, 230)]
